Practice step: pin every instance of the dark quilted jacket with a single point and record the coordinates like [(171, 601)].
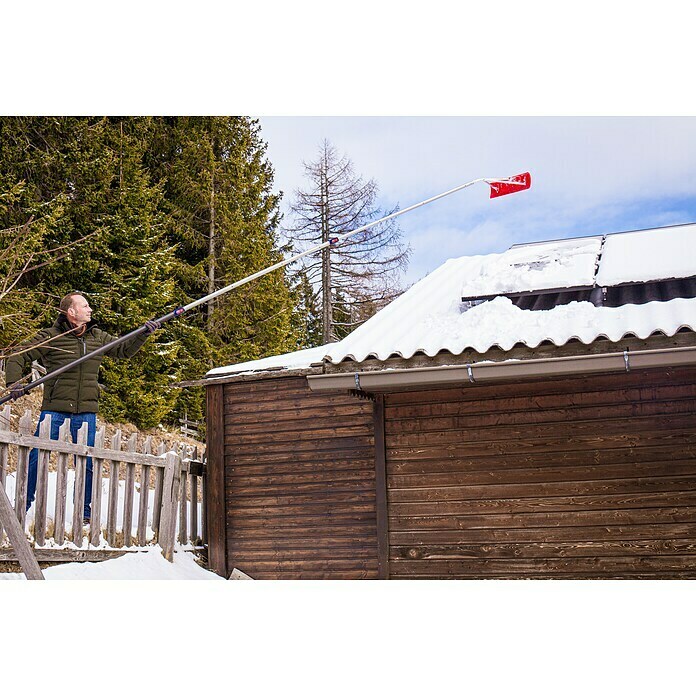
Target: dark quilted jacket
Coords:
[(76, 390)]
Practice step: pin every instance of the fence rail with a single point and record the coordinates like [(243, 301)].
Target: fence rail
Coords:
[(138, 498)]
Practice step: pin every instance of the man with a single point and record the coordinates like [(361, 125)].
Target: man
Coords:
[(74, 394)]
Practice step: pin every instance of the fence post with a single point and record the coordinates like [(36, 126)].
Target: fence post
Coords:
[(97, 466), (112, 512), (79, 496), (22, 470), (159, 483), (144, 494), (131, 446), (42, 483), (19, 542), (61, 484), (4, 451), (170, 490)]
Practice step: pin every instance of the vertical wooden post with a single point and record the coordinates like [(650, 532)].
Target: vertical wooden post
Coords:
[(42, 483), (204, 504), (183, 510), (170, 489), (112, 512), (22, 470), (159, 484), (128, 497), (4, 451), (61, 484), (97, 467), (79, 496), (144, 495), (215, 481), (381, 490), (193, 481)]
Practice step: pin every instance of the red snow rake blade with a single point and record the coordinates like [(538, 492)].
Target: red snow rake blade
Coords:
[(501, 187)]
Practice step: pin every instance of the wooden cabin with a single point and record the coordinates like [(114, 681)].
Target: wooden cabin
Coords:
[(530, 414)]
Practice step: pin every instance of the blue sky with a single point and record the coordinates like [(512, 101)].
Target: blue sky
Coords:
[(589, 174)]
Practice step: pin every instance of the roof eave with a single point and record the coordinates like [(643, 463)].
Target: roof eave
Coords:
[(476, 372)]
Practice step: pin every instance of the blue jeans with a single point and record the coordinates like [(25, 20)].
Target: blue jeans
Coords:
[(76, 421)]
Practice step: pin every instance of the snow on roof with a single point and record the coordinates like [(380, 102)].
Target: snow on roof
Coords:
[(300, 359), (559, 264), (500, 323), (430, 317), (659, 254)]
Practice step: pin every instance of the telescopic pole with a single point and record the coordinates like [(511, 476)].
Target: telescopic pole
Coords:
[(181, 310)]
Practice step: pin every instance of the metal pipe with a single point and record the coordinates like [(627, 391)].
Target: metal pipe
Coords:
[(473, 373), (181, 310)]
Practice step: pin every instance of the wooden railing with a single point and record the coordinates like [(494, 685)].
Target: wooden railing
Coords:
[(137, 497)]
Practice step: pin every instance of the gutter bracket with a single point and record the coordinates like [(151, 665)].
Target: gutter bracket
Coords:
[(625, 357), (471, 373)]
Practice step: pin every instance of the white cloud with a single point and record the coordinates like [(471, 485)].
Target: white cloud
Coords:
[(589, 175)]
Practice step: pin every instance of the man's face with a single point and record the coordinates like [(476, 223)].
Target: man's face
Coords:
[(80, 312)]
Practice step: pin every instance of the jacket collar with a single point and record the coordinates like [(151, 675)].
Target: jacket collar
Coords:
[(63, 325)]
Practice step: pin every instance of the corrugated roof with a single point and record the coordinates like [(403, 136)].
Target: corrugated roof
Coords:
[(298, 360), (499, 323), (554, 298), (431, 316)]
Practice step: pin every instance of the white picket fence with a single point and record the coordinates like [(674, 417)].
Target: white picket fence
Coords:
[(138, 498)]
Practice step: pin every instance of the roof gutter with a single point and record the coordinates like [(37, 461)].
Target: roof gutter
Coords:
[(474, 373)]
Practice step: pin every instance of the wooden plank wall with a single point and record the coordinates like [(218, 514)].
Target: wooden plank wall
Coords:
[(299, 482), (574, 478)]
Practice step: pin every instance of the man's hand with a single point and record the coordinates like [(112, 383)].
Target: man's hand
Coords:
[(16, 392), (153, 325)]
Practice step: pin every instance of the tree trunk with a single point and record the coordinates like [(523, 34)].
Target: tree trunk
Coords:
[(211, 243), (327, 318)]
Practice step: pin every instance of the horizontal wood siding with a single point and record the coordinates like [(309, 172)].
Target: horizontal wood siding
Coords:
[(299, 482), (585, 477)]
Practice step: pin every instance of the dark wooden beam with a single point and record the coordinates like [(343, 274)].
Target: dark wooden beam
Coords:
[(215, 481), (69, 555), (381, 490), (20, 544)]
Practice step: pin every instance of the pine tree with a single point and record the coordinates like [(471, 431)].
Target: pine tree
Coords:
[(362, 272), (32, 211), (85, 184), (307, 313), (222, 219), (142, 215)]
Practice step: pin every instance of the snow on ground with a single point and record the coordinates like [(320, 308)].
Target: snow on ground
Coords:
[(141, 565), (51, 505)]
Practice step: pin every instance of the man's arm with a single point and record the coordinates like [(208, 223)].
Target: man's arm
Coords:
[(127, 349), (19, 363)]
